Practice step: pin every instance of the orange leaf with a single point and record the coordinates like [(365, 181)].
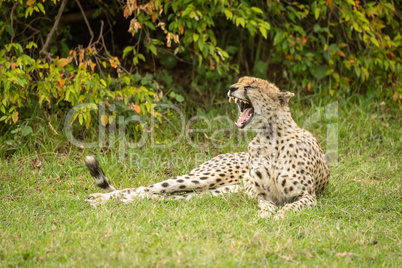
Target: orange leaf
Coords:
[(127, 12), (395, 97), (82, 52), (14, 117), (92, 64), (62, 82), (304, 40), (181, 29), (154, 113), (341, 53), (113, 62), (61, 62), (30, 2), (176, 38), (149, 6), (104, 119), (169, 40), (137, 108)]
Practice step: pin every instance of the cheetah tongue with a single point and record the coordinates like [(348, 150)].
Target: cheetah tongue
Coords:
[(245, 115)]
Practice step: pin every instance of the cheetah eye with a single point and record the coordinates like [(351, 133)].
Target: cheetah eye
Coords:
[(249, 87)]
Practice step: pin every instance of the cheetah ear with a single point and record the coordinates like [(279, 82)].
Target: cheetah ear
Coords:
[(284, 96)]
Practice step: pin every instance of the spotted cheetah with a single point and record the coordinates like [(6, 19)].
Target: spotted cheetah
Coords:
[(284, 166)]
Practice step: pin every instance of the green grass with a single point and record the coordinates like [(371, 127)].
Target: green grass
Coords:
[(357, 222)]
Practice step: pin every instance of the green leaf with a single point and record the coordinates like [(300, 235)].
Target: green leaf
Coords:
[(126, 51), (40, 6), (228, 14), (263, 32), (356, 27), (319, 72), (26, 130), (333, 48), (278, 37), (257, 10), (153, 49), (374, 41), (141, 57), (240, 21), (179, 98), (31, 44), (9, 29), (317, 13), (80, 119)]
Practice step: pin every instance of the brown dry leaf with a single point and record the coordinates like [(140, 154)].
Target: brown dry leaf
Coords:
[(158, 96), (345, 254), (36, 163), (54, 132)]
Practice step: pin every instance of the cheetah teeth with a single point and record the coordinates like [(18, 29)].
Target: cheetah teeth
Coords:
[(236, 100)]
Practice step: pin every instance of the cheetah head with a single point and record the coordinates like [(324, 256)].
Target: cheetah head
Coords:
[(258, 100)]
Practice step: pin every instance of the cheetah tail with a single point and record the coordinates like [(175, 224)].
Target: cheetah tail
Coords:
[(96, 171)]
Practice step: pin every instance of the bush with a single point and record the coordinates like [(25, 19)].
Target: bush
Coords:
[(57, 54), (339, 44)]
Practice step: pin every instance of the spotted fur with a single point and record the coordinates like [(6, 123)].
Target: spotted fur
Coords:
[(284, 165)]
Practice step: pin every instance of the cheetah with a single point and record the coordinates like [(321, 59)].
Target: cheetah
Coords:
[(284, 165)]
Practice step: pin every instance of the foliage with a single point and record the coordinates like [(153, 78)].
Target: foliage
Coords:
[(345, 44), (30, 75), (43, 68), (187, 28), (58, 54)]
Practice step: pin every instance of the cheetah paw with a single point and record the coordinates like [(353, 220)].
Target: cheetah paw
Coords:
[(264, 214), (279, 216)]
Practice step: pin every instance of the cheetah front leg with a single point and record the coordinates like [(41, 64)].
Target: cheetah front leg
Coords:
[(266, 208), (304, 201)]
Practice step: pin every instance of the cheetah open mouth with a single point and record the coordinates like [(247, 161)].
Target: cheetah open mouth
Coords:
[(246, 110)]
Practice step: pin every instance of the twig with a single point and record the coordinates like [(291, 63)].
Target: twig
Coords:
[(54, 28), (12, 20), (108, 19), (86, 22), (100, 32)]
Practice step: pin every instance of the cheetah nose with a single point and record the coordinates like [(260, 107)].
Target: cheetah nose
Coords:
[(232, 89)]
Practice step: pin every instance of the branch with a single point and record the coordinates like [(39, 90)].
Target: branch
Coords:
[(11, 18), (54, 28), (86, 22)]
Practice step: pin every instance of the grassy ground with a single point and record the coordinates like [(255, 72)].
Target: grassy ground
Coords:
[(357, 222)]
